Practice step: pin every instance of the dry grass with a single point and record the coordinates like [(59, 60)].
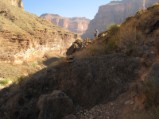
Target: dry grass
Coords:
[(130, 40), (4, 82), (90, 80), (126, 38), (17, 20), (102, 45), (93, 50)]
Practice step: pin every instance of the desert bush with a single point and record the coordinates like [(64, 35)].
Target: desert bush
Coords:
[(130, 38), (113, 35), (114, 29), (109, 25), (93, 50), (103, 45), (5, 81)]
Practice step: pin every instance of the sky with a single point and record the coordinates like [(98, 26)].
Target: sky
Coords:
[(66, 8)]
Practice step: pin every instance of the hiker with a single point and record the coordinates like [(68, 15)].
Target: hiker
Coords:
[(96, 33)]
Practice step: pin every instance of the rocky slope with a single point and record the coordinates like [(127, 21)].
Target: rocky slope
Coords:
[(115, 13), (123, 59), (76, 24), (25, 37), (17, 3)]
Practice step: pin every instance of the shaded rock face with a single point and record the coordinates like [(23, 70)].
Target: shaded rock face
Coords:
[(115, 13), (77, 24), (98, 78), (77, 46), (86, 82)]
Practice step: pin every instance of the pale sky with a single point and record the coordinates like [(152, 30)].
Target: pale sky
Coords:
[(67, 8)]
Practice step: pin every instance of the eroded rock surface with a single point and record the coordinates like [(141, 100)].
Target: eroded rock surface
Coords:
[(115, 13), (76, 24), (26, 37)]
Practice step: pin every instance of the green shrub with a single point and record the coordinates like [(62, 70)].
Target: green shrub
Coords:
[(110, 25), (113, 30), (130, 38), (113, 40), (4, 82)]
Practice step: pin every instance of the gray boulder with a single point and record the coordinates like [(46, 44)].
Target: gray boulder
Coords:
[(55, 105)]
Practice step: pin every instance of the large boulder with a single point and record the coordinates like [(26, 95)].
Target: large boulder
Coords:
[(76, 46), (55, 105)]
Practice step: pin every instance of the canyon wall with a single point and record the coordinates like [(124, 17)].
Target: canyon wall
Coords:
[(26, 37), (115, 13), (76, 24)]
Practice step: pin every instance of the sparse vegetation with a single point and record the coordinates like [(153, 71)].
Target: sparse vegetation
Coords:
[(98, 74), (113, 34), (104, 45), (4, 82), (110, 25)]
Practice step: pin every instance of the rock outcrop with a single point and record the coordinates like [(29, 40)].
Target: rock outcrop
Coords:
[(85, 81), (130, 56), (76, 24), (115, 13), (55, 105), (17, 3), (77, 46), (25, 37)]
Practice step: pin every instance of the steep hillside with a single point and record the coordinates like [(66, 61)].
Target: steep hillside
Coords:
[(26, 40), (77, 24), (24, 37), (115, 13), (114, 78)]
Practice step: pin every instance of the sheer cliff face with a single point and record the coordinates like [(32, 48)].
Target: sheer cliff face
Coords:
[(17, 3), (77, 24), (115, 13)]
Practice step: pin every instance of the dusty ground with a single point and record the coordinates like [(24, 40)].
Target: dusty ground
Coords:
[(126, 106)]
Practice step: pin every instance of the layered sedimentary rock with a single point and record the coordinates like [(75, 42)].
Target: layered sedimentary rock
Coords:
[(25, 37), (76, 24), (115, 13)]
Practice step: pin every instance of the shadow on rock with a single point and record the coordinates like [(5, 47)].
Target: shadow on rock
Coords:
[(85, 83), (50, 61)]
